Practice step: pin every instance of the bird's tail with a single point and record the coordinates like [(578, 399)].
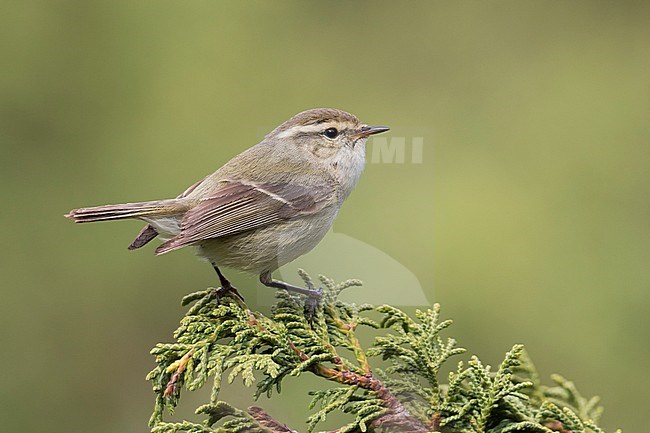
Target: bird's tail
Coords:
[(127, 210)]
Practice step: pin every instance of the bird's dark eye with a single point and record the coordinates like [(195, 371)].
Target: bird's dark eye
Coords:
[(331, 132)]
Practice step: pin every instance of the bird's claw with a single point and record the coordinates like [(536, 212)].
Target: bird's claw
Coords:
[(228, 291), (313, 302)]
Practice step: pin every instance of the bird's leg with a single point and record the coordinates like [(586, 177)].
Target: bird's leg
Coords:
[(226, 286), (268, 281), (313, 295)]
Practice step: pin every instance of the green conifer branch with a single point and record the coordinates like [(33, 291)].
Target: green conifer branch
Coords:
[(221, 338)]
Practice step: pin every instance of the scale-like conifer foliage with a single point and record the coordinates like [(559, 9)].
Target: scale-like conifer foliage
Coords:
[(222, 339)]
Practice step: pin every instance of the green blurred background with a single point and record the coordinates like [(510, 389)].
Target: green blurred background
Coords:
[(528, 218)]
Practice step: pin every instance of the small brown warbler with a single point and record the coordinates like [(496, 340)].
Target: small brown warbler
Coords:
[(266, 206)]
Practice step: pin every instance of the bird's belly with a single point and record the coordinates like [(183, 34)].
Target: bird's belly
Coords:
[(268, 248)]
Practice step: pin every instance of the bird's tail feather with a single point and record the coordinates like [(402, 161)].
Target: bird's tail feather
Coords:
[(124, 211)]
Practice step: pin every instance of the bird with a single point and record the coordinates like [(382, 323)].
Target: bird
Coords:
[(265, 207)]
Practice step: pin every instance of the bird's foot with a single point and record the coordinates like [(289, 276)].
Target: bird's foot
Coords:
[(228, 291), (312, 303), (313, 297)]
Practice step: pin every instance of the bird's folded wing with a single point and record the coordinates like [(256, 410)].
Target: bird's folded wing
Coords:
[(239, 206)]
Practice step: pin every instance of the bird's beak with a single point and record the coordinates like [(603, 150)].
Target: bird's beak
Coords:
[(366, 131)]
